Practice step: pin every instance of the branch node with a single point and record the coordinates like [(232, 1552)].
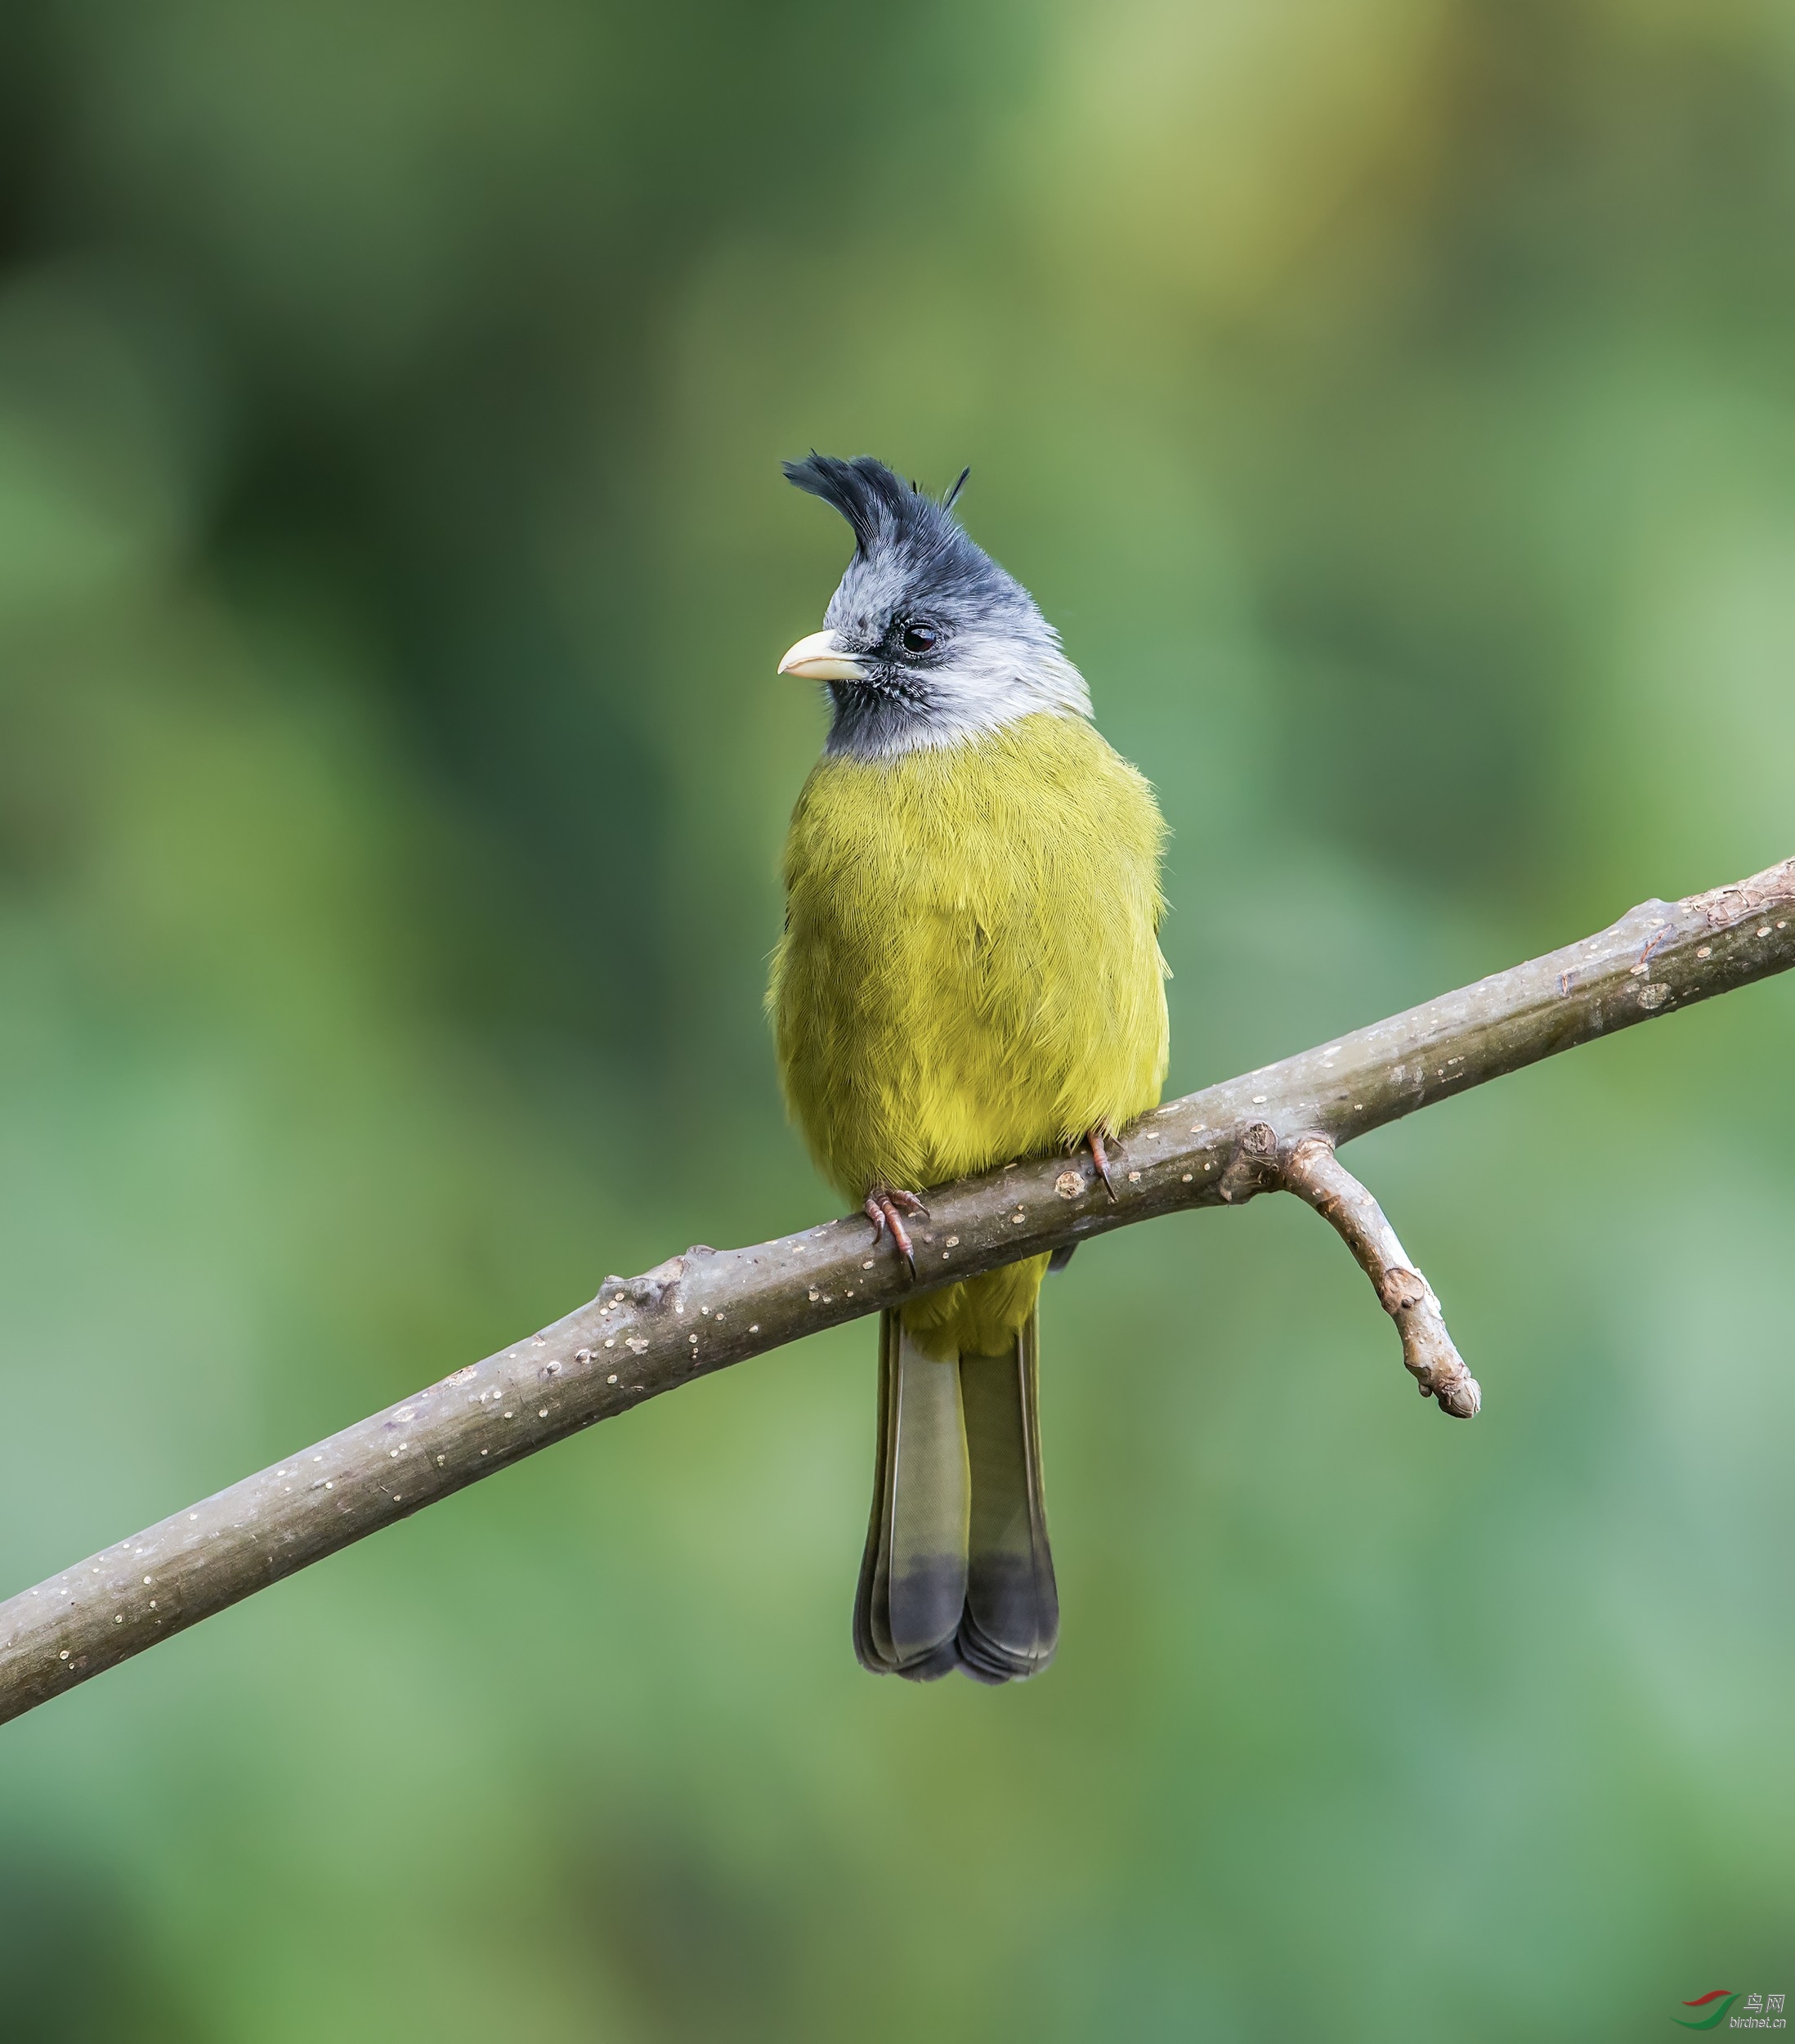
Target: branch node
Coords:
[(1400, 1289), (1252, 1166)]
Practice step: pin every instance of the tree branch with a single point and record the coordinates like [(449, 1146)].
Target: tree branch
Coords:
[(706, 1310)]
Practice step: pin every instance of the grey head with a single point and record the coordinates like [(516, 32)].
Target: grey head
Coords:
[(927, 642)]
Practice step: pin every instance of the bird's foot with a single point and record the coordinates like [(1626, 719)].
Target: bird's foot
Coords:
[(1093, 1142), (885, 1207)]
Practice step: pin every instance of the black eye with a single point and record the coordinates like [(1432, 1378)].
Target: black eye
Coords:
[(918, 638)]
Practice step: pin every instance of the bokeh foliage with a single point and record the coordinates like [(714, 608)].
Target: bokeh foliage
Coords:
[(1391, 402)]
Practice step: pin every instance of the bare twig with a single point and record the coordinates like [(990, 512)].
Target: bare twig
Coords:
[(1310, 1168), (1305, 1164), (705, 1310)]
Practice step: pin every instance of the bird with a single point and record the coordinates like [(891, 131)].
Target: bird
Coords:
[(970, 973)]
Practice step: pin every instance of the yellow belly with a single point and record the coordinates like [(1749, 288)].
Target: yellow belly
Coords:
[(969, 971)]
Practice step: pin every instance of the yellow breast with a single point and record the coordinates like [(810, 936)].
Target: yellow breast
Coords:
[(969, 971)]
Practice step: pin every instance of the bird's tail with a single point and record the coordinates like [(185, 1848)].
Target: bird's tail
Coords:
[(957, 1571)]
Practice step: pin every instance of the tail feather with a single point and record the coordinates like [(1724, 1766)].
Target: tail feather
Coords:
[(1011, 1625), (914, 1579), (873, 1653), (957, 1570)]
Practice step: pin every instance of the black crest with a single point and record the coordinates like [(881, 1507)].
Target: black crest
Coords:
[(877, 503)]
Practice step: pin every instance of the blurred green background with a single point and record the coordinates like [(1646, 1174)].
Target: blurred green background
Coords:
[(1393, 403)]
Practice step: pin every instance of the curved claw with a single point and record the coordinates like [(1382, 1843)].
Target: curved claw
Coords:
[(1100, 1157), (885, 1207)]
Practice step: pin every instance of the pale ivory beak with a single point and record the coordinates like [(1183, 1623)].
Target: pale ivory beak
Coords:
[(821, 658)]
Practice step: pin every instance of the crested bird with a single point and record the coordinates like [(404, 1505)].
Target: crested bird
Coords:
[(970, 973)]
